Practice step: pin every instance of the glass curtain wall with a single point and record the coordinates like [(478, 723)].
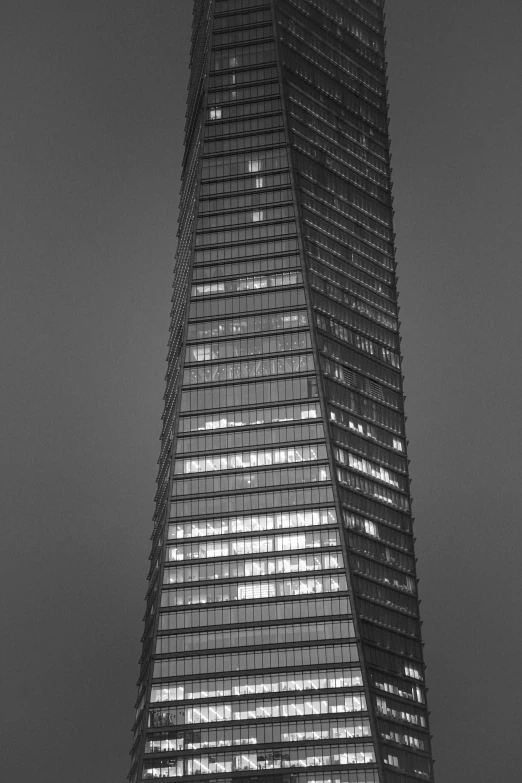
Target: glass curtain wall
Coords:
[(282, 635), (336, 101)]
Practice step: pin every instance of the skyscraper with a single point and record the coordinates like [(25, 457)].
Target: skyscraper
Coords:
[(282, 636)]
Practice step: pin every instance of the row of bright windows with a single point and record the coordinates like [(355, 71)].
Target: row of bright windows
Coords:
[(260, 734), (246, 284), (259, 709), (253, 523), (247, 438), (219, 373), (251, 459), (232, 569), (250, 591), (246, 324), (251, 346), (282, 758), (280, 682), (225, 547)]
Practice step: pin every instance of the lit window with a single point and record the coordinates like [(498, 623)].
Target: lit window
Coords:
[(258, 215), (412, 671), (254, 165), (215, 114), (371, 528), (260, 182), (200, 353)]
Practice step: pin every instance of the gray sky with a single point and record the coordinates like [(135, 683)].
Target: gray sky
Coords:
[(93, 109)]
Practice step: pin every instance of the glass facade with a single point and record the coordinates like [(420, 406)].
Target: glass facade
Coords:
[(282, 611)]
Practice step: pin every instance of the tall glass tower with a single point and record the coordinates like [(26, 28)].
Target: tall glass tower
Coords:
[(282, 638)]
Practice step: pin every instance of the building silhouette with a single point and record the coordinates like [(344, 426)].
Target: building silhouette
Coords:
[(282, 636)]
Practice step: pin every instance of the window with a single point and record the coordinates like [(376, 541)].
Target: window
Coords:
[(362, 343), (231, 482), (244, 201), (248, 34), (215, 145), (412, 671), (255, 637), (398, 687), (250, 233), (249, 417), (236, 218), (353, 320), (364, 429), (273, 436), (276, 658), (246, 284), (222, 187), (247, 325), (254, 523), (359, 523), (246, 251), (261, 683), (230, 569), (377, 551), (388, 576), (255, 368), (364, 407), (259, 709), (163, 768), (260, 734), (370, 468), (392, 598), (398, 712), (249, 459), (242, 163), (345, 276), (248, 591), (255, 501), (231, 614), (215, 114), (251, 346), (254, 545), (308, 756)]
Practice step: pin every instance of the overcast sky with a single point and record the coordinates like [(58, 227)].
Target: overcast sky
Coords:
[(91, 136)]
